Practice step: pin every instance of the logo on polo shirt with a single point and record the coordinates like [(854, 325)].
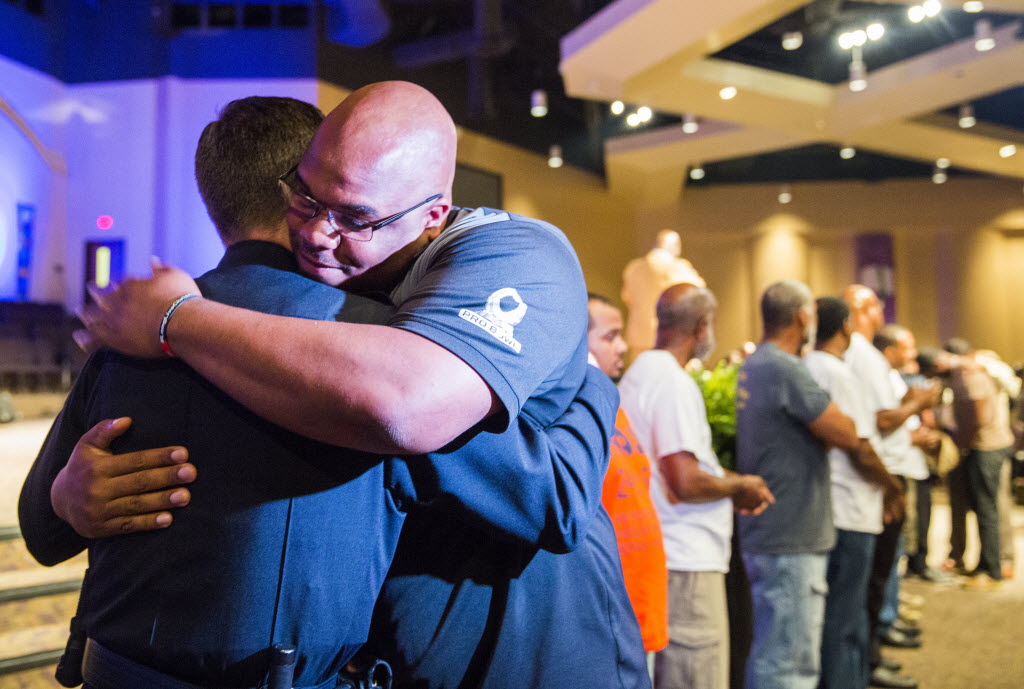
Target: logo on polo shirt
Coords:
[(503, 311)]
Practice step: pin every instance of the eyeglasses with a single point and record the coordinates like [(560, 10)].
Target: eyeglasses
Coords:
[(309, 208)]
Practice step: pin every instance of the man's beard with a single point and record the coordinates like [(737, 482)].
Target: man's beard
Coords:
[(704, 348)]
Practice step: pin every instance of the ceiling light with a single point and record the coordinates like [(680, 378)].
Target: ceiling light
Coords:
[(791, 40), (728, 93), (931, 8), (644, 113), (974, 6), (859, 37), (939, 177), (1007, 151), (858, 75), (847, 152), (966, 117), (539, 103), (690, 124), (942, 163), (785, 196), (983, 40), (632, 119), (875, 31), (555, 156), (846, 40), (915, 13), (696, 172), (617, 107)]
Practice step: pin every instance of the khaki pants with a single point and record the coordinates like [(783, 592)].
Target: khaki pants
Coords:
[(697, 656)]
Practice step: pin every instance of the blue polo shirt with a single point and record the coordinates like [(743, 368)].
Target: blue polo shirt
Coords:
[(462, 607)]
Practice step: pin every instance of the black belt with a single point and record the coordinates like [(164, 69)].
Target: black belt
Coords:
[(104, 669)]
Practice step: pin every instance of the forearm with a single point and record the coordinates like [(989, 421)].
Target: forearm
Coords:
[(890, 419), (869, 465), (366, 387), (686, 482)]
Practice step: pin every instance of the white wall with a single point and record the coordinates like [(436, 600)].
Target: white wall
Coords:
[(26, 178)]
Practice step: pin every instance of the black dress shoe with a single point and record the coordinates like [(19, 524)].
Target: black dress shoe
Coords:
[(898, 639), (891, 665), (887, 679), (907, 628)]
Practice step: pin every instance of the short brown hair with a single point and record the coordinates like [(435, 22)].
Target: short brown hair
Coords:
[(241, 154)]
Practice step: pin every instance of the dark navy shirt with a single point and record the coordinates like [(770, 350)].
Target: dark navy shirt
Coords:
[(285, 540)]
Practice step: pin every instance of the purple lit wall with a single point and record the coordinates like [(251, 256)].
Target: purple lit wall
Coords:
[(128, 148)]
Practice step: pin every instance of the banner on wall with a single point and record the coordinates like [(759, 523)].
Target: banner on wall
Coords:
[(876, 269), (26, 223)]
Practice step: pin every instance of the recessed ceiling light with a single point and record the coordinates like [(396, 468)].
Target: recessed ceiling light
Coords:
[(539, 103), (875, 31), (697, 172), (859, 37), (965, 116), (791, 40), (1007, 151), (644, 113), (983, 40), (785, 196), (931, 8), (555, 156), (915, 13), (939, 177), (690, 124), (974, 6), (632, 119), (858, 75), (727, 93), (617, 107), (942, 163), (847, 152)]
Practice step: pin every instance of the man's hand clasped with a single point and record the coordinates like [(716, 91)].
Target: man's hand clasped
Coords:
[(101, 494)]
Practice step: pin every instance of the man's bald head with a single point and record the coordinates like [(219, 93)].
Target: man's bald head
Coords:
[(386, 150), (393, 130), (865, 310)]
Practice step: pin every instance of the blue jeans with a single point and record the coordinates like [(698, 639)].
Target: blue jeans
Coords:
[(846, 639), (788, 593), (891, 605)]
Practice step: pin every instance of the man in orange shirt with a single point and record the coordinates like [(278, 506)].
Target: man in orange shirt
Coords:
[(626, 495)]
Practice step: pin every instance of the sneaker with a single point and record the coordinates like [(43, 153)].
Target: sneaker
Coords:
[(934, 576), (889, 679), (981, 582), (898, 639), (911, 600), (908, 614)]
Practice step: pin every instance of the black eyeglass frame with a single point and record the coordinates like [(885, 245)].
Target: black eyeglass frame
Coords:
[(363, 234)]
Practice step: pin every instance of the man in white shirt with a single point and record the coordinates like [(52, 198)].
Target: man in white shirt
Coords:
[(895, 447), (860, 486), (694, 496)]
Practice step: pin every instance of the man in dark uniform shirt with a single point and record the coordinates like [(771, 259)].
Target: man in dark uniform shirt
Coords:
[(287, 540)]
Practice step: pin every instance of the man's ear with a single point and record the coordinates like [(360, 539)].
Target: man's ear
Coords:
[(437, 215)]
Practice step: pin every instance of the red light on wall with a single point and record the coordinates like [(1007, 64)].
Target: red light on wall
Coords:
[(104, 222)]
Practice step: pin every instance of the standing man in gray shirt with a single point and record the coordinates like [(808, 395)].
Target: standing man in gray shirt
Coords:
[(784, 422)]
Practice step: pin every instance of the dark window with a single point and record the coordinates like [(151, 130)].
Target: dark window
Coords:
[(222, 15), (186, 16), (258, 15), (293, 16)]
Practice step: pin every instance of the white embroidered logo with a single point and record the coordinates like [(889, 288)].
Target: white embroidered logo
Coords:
[(498, 321)]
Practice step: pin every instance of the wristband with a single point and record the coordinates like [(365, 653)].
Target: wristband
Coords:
[(164, 345)]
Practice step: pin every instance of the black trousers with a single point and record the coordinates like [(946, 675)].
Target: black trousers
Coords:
[(881, 566)]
